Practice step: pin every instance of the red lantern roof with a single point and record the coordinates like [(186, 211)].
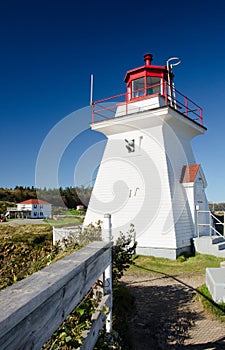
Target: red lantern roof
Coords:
[(147, 70)]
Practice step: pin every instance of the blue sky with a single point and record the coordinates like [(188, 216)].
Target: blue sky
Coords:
[(50, 48)]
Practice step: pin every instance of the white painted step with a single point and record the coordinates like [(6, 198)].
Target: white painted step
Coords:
[(204, 245)]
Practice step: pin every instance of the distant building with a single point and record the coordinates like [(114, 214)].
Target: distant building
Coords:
[(32, 209), (80, 207)]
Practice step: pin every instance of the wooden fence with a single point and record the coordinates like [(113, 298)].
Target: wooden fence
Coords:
[(32, 309)]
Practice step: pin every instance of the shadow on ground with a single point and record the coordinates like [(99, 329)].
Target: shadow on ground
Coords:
[(164, 315)]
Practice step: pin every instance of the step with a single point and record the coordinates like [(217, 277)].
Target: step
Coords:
[(221, 246), (203, 245), (217, 239), (215, 282)]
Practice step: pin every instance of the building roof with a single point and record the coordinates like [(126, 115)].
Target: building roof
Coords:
[(189, 173), (33, 201)]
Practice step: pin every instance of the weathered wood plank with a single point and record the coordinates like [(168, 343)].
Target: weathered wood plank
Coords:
[(32, 309), (98, 321)]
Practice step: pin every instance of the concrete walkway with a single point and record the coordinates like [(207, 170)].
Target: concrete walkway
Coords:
[(167, 314)]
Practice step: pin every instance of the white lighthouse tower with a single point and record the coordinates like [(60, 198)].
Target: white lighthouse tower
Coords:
[(148, 176)]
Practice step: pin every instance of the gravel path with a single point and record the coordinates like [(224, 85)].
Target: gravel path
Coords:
[(167, 316), (18, 222)]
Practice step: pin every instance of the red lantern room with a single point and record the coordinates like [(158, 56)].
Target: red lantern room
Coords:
[(148, 87), (147, 80)]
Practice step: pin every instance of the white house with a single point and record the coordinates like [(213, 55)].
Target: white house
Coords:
[(35, 209), (80, 207)]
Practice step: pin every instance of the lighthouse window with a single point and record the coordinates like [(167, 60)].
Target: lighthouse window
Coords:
[(153, 85), (138, 87)]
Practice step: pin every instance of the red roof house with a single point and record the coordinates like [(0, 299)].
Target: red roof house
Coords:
[(35, 208)]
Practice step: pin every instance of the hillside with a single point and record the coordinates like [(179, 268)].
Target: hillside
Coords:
[(71, 196)]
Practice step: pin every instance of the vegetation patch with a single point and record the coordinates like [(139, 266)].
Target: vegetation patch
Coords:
[(188, 266), (81, 212), (217, 310), (66, 221), (23, 252), (10, 232)]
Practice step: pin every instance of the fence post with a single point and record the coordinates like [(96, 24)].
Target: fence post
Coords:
[(107, 275), (107, 228)]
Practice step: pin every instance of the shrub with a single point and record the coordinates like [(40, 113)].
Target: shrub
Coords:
[(122, 253)]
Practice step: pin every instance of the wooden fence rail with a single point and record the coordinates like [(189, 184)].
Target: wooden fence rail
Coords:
[(32, 309)]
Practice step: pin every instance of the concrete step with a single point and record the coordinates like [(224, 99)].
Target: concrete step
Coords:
[(215, 281), (204, 245), (221, 246), (217, 239)]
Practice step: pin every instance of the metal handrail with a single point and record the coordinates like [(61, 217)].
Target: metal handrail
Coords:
[(210, 225), (172, 96)]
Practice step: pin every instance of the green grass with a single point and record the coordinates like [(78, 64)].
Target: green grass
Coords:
[(218, 310), (77, 212), (65, 221), (192, 265), (8, 231)]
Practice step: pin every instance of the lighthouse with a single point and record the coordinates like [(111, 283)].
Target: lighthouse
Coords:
[(148, 176)]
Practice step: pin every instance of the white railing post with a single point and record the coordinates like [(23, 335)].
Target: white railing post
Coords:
[(107, 275), (210, 221), (224, 223), (197, 219), (107, 228)]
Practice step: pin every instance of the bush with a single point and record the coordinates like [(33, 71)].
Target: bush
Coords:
[(22, 255), (122, 253)]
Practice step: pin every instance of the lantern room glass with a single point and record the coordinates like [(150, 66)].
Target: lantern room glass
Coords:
[(146, 86), (138, 87), (152, 85)]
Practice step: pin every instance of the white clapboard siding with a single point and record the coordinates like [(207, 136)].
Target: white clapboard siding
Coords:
[(144, 187)]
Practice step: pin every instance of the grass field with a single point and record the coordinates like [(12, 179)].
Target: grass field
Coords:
[(192, 265), (73, 221), (8, 230)]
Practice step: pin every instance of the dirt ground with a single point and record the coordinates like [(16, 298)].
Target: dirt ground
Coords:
[(167, 315)]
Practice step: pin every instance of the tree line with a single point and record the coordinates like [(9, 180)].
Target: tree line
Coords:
[(69, 196), (217, 206)]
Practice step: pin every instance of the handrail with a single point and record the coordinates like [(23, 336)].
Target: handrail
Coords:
[(212, 228), (32, 309), (171, 95)]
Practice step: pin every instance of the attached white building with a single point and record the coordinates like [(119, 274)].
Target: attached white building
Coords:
[(194, 182)]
